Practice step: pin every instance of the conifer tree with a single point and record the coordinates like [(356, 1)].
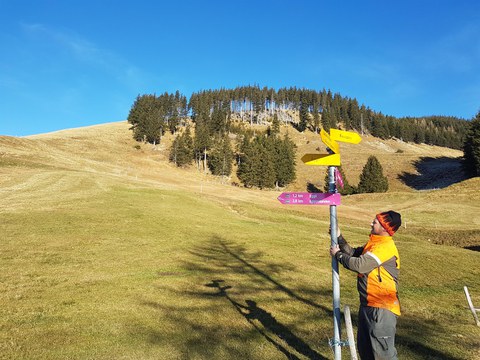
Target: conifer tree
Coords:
[(284, 160), (218, 123), (419, 136), (189, 143), (471, 147), (316, 121), (201, 142), (245, 161), (173, 121), (372, 179), (354, 115), (256, 166), (153, 126), (147, 119), (181, 152), (328, 120), (380, 128), (264, 167), (304, 116), (275, 125), (221, 157)]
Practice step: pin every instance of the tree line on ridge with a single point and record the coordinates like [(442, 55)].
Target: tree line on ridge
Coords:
[(210, 119)]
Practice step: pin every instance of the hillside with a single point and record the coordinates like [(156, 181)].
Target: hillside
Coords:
[(111, 252), (109, 151), (396, 156)]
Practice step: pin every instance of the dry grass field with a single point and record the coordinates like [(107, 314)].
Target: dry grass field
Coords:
[(110, 252)]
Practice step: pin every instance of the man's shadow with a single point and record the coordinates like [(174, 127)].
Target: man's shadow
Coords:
[(266, 324)]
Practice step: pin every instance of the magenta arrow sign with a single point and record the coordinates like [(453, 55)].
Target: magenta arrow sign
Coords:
[(303, 198), (338, 178)]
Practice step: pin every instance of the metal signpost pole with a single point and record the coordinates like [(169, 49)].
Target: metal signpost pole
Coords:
[(335, 275), (332, 159)]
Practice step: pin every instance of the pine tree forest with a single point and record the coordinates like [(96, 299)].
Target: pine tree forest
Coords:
[(215, 114)]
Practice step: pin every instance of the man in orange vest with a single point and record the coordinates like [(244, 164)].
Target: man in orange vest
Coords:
[(377, 264)]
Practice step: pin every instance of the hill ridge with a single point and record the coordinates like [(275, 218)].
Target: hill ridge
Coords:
[(89, 146)]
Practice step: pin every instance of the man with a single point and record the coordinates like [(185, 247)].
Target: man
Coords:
[(377, 264)]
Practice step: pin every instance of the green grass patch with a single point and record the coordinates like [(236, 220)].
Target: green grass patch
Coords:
[(157, 274)]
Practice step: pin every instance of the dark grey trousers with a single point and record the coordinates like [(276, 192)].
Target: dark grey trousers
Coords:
[(376, 334)]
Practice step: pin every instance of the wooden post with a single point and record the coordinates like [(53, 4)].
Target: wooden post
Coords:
[(350, 337), (470, 304)]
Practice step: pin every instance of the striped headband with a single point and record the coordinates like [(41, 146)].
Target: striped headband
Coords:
[(384, 220)]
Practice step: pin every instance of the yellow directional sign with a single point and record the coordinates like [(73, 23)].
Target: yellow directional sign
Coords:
[(331, 144), (344, 136), (321, 159)]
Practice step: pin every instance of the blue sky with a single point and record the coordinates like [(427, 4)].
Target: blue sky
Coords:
[(68, 63)]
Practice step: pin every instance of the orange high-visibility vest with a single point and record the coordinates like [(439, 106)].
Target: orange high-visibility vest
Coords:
[(379, 287)]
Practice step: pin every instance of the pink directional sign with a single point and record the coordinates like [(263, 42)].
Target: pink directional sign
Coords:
[(303, 198), (338, 178)]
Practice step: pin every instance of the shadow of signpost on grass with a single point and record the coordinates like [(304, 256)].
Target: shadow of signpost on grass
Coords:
[(257, 271), (414, 336), (233, 299), (219, 319), (434, 173), (266, 324)]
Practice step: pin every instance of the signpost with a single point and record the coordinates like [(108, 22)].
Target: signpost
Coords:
[(345, 136), (321, 159), (302, 198), (339, 178), (331, 144), (332, 198)]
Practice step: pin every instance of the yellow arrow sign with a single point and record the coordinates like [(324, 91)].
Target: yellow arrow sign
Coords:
[(344, 136), (331, 144), (321, 159)]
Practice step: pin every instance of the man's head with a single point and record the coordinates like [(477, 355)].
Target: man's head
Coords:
[(386, 222)]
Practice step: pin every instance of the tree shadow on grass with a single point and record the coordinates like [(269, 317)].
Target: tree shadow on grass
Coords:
[(206, 326), (434, 173), (211, 319), (417, 338), (269, 327), (247, 265), (473, 247)]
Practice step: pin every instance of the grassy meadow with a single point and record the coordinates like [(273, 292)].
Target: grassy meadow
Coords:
[(109, 252)]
